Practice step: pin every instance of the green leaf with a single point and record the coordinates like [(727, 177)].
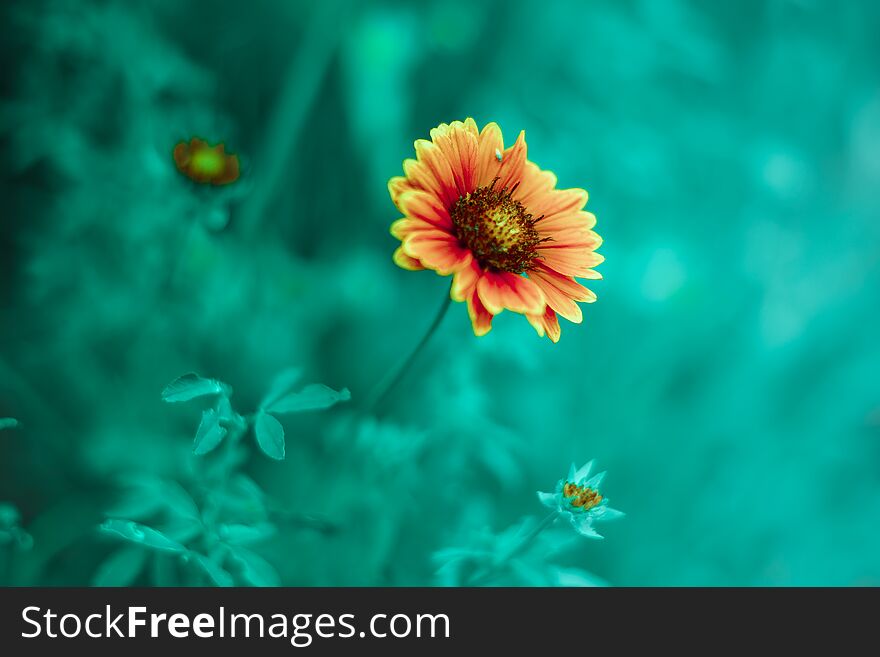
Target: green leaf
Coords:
[(214, 572), (142, 535), (121, 568), (238, 534), (311, 398), (270, 436), (247, 490), (242, 500), (183, 531), (225, 411), (179, 502), (189, 386), (572, 577), (254, 569), (281, 385), (136, 505), (147, 496), (209, 434), (8, 423)]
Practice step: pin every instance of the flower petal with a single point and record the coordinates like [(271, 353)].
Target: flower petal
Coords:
[(548, 500), (610, 514), (558, 202), (584, 526), (406, 262), (565, 284), (481, 319), (577, 219), (403, 228), (500, 290), (535, 184), (551, 325), (582, 473), (580, 221), (512, 163), (571, 238), (537, 324), (459, 146), (398, 185), (437, 250), (489, 144), (561, 292), (432, 172), (465, 280), (556, 295), (595, 480), (570, 262), (425, 206), (547, 324)]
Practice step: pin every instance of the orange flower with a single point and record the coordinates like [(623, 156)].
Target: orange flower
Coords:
[(496, 223), (206, 164)]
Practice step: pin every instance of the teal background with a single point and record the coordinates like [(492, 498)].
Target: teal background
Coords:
[(726, 378)]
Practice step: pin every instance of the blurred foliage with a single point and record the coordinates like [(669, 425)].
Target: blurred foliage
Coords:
[(726, 377)]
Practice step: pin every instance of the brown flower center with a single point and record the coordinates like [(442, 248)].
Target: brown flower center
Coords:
[(581, 496), (496, 228)]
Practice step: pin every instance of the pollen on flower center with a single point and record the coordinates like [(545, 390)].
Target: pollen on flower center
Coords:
[(496, 228), (582, 497)]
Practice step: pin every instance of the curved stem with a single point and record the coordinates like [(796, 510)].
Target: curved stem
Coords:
[(521, 546), (387, 384), (531, 536)]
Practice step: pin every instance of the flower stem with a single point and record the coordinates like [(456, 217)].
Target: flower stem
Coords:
[(487, 576), (531, 536), (386, 385)]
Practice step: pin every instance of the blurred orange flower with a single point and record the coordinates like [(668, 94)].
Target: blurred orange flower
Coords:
[(209, 165), (496, 223)]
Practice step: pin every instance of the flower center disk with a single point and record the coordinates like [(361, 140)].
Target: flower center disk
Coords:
[(496, 228), (581, 496)]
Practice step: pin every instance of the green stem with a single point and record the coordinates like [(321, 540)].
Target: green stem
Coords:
[(298, 93), (233, 437), (531, 536), (520, 547), (386, 385)]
